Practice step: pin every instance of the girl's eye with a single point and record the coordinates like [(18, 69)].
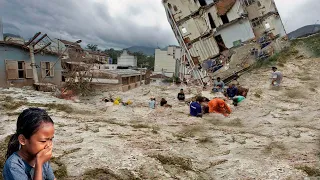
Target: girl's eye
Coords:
[(43, 141)]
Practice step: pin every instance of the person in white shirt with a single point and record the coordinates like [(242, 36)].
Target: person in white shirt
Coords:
[(276, 77)]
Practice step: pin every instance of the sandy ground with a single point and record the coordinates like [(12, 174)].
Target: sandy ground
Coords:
[(273, 134)]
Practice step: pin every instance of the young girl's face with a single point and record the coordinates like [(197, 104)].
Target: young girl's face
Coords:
[(40, 140)]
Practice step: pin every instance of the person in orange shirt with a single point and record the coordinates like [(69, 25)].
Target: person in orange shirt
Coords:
[(218, 105)]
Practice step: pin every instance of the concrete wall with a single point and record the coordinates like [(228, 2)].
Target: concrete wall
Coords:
[(127, 60), (194, 28), (276, 26), (241, 30), (235, 11), (15, 53), (255, 11), (166, 61), (184, 8)]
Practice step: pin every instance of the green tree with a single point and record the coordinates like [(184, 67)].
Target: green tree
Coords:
[(92, 47), (144, 60), (114, 54)]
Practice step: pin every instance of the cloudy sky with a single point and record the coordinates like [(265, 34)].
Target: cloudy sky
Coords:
[(118, 23)]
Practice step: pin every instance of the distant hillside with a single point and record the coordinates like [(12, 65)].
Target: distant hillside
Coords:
[(304, 31), (11, 35), (145, 50)]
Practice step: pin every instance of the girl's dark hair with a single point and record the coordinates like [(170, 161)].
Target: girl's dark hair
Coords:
[(28, 124)]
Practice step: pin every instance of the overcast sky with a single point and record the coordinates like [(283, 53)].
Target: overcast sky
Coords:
[(118, 23)]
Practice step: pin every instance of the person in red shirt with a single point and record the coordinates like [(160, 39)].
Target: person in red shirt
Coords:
[(218, 105)]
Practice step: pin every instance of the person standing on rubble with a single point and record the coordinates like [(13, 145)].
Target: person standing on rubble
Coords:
[(276, 77), (195, 107), (181, 96)]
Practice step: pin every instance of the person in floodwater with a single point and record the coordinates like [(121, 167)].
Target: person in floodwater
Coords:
[(218, 105), (218, 85), (232, 91), (30, 147), (181, 96), (276, 77), (237, 99), (195, 107), (164, 103), (152, 103)]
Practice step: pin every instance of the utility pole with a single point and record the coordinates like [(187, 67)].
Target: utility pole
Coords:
[(33, 65), (33, 62), (140, 74)]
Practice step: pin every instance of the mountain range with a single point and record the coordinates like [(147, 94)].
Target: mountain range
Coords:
[(304, 31), (149, 51)]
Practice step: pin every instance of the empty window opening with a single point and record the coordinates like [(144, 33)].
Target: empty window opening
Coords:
[(21, 69), (224, 19), (169, 6), (256, 22), (220, 42), (184, 30), (259, 4), (175, 8), (248, 2), (202, 2), (267, 25), (212, 24)]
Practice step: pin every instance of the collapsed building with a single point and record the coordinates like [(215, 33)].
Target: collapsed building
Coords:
[(207, 29)]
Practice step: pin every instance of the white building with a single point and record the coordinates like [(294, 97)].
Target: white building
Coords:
[(166, 61), (127, 60), (1, 30), (209, 27)]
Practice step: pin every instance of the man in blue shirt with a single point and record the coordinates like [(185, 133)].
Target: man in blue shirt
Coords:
[(195, 108), (232, 91)]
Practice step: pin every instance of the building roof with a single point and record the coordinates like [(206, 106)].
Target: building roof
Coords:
[(76, 45), (224, 6), (23, 47), (159, 76), (125, 72), (97, 53)]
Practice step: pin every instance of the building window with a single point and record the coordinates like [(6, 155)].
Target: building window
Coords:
[(248, 2), (224, 19), (202, 2), (175, 8), (259, 4), (256, 22), (20, 69), (47, 69), (169, 6), (212, 24), (184, 30)]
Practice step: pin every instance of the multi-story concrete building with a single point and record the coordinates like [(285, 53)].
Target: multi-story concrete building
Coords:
[(166, 61), (206, 28), (127, 60)]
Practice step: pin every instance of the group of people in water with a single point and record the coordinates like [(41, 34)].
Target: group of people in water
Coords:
[(234, 92)]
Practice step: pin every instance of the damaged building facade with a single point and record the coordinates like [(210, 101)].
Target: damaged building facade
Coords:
[(205, 29)]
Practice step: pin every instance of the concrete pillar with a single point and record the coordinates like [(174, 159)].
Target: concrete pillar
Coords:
[(33, 64)]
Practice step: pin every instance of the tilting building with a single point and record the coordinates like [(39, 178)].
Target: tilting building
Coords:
[(206, 29)]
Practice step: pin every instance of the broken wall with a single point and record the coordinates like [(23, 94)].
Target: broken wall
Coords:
[(240, 30), (181, 8)]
